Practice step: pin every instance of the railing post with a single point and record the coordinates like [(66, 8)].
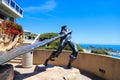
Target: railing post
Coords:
[(27, 59)]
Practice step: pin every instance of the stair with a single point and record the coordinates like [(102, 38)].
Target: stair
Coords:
[(16, 60)]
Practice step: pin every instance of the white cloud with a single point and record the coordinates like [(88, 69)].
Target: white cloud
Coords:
[(46, 7)]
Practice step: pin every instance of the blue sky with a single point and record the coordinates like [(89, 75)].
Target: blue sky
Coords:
[(92, 21)]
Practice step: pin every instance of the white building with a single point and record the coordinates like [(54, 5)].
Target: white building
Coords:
[(10, 10)]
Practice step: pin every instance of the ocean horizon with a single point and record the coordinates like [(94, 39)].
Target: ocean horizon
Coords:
[(113, 50)]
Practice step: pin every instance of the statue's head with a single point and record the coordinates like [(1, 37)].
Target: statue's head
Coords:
[(63, 27)]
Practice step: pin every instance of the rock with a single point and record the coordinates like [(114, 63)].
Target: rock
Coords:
[(6, 72), (55, 73), (10, 35), (10, 43)]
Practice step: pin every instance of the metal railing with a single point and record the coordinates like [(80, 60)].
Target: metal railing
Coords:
[(14, 6)]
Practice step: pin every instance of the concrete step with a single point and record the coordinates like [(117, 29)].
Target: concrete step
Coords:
[(16, 60)]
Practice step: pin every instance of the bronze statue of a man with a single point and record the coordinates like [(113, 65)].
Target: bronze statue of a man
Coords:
[(63, 41)]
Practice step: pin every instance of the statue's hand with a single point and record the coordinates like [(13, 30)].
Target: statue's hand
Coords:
[(68, 32), (65, 32)]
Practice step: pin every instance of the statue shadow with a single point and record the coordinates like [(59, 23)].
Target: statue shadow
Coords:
[(90, 75), (37, 70)]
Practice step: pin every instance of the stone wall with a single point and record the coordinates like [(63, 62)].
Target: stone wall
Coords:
[(102, 66)]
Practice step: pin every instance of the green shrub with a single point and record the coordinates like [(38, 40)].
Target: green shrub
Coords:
[(47, 36), (55, 44), (48, 47), (100, 51), (79, 48)]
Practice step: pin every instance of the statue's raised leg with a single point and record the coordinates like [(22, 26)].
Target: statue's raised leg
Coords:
[(72, 58), (69, 63)]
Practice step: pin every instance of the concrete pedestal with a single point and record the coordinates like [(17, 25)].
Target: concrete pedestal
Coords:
[(27, 60)]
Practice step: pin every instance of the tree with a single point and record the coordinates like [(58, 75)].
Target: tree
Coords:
[(100, 51)]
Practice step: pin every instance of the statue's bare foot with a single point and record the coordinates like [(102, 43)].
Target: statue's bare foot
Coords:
[(69, 66), (45, 64)]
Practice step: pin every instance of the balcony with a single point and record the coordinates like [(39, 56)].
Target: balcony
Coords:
[(12, 8)]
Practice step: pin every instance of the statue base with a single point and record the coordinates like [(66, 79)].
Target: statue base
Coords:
[(51, 72)]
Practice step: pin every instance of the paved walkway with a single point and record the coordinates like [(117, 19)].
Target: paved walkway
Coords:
[(28, 41), (25, 73)]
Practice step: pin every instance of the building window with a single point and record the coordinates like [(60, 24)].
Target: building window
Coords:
[(2, 16), (7, 1), (17, 8), (21, 11), (12, 4)]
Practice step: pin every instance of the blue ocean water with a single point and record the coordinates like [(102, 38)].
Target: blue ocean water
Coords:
[(114, 50)]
